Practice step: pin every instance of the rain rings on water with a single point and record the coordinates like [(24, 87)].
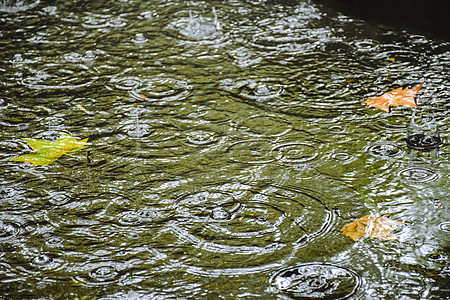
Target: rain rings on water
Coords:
[(103, 273), (418, 174), (195, 27), (8, 230), (385, 150), (269, 225), (264, 125), (13, 6), (253, 151), (316, 281), (295, 152), (59, 77), (161, 90)]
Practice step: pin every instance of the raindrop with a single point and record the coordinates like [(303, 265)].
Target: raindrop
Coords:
[(385, 149), (295, 152), (41, 260), (89, 58), (419, 174), (198, 28), (54, 241), (103, 273), (139, 39), (316, 281)]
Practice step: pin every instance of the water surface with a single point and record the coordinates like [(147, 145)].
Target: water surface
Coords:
[(227, 148)]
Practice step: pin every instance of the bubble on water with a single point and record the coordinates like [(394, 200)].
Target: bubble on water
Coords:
[(262, 91), (316, 281), (254, 151), (295, 153), (385, 150), (139, 39), (41, 260), (103, 273), (418, 174)]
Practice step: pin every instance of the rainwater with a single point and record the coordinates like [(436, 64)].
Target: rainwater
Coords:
[(228, 146)]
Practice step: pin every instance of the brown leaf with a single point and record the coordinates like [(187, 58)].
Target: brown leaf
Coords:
[(397, 97), (373, 226)]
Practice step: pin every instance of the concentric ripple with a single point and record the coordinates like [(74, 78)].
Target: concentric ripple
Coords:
[(256, 226), (262, 90), (316, 281), (265, 125), (201, 138), (161, 90), (295, 152), (418, 174), (103, 273), (385, 149), (254, 151), (59, 77), (8, 231)]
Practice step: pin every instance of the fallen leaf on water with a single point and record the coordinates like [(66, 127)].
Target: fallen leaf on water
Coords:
[(46, 152), (373, 226), (397, 97)]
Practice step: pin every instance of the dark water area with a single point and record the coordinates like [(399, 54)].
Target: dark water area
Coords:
[(227, 148)]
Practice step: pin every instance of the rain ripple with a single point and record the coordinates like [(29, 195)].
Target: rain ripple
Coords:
[(316, 281)]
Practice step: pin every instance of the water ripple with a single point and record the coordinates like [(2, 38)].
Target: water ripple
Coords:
[(253, 151), (59, 77), (316, 280)]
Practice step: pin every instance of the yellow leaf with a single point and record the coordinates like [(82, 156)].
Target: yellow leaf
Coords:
[(47, 152), (397, 97), (373, 226)]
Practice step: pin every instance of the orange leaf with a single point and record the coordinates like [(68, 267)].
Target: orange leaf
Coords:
[(373, 226), (397, 97)]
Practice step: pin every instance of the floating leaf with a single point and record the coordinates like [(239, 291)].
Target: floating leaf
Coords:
[(47, 152), (373, 226), (397, 97)]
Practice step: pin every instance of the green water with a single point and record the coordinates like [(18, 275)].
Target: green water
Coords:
[(228, 146)]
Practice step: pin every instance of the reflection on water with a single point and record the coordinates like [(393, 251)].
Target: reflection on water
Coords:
[(228, 147)]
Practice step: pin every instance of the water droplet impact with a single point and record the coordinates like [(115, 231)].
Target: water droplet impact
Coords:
[(139, 39), (255, 151), (423, 142), (342, 156), (418, 174), (126, 83), (103, 273), (161, 89), (197, 27), (385, 149), (8, 231), (220, 214), (41, 260), (200, 138), (316, 281), (295, 153)]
